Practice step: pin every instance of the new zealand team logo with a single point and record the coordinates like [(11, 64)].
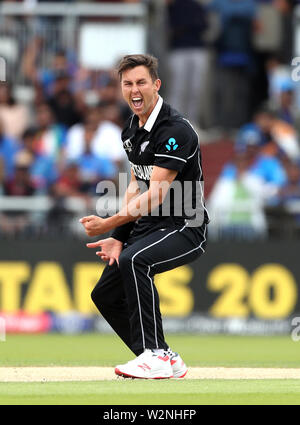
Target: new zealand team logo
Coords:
[(143, 146), (171, 145)]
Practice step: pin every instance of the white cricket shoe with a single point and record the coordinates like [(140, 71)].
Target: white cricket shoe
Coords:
[(178, 366), (147, 365)]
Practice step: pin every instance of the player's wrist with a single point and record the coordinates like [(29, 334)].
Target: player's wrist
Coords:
[(117, 240)]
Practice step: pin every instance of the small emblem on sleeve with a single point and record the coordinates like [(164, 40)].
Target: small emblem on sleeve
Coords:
[(171, 145), (127, 145)]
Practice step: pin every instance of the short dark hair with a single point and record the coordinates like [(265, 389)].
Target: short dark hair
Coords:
[(266, 109), (132, 61)]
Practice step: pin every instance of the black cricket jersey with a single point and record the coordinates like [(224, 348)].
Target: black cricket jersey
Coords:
[(169, 141)]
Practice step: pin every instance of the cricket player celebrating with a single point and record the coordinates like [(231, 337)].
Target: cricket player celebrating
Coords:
[(164, 153)]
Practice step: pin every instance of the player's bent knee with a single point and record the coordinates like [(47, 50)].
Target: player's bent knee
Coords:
[(97, 296), (94, 295)]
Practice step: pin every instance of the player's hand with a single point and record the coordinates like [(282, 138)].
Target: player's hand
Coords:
[(110, 249), (94, 225)]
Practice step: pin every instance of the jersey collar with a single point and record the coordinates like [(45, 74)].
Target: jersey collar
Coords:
[(154, 114)]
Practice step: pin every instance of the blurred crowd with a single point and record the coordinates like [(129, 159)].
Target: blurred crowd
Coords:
[(227, 68), (257, 193), (60, 145)]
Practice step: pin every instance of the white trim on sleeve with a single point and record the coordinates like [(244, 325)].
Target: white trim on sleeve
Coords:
[(170, 156)]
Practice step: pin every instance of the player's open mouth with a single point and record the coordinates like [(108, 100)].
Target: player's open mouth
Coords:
[(137, 102)]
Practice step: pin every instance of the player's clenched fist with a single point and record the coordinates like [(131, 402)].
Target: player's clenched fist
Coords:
[(94, 225)]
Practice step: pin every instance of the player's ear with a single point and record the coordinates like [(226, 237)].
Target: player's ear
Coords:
[(157, 84)]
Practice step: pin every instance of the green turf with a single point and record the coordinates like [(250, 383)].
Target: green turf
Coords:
[(136, 392), (108, 350)]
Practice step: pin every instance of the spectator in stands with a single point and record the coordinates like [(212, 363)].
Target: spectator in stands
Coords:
[(44, 77), (92, 167), (234, 61), (244, 187), (14, 116), (50, 135), (291, 190), (188, 57), (268, 168), (249, 135), (259, 163), (106, 140), (279, 77), (236, 202), (8, 149), (284, 211), (286, 109), (63, 74), (42, 168), (20, 184), (69, 183), (280, 135), (63, 103)]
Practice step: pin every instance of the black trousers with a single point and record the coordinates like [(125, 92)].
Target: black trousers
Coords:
[(126, 295)]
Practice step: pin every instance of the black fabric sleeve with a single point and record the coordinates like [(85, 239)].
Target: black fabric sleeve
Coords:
[(175, 146), (121, 233)]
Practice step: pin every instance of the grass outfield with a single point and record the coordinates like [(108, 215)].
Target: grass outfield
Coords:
[(141, 392), (107, 350)]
